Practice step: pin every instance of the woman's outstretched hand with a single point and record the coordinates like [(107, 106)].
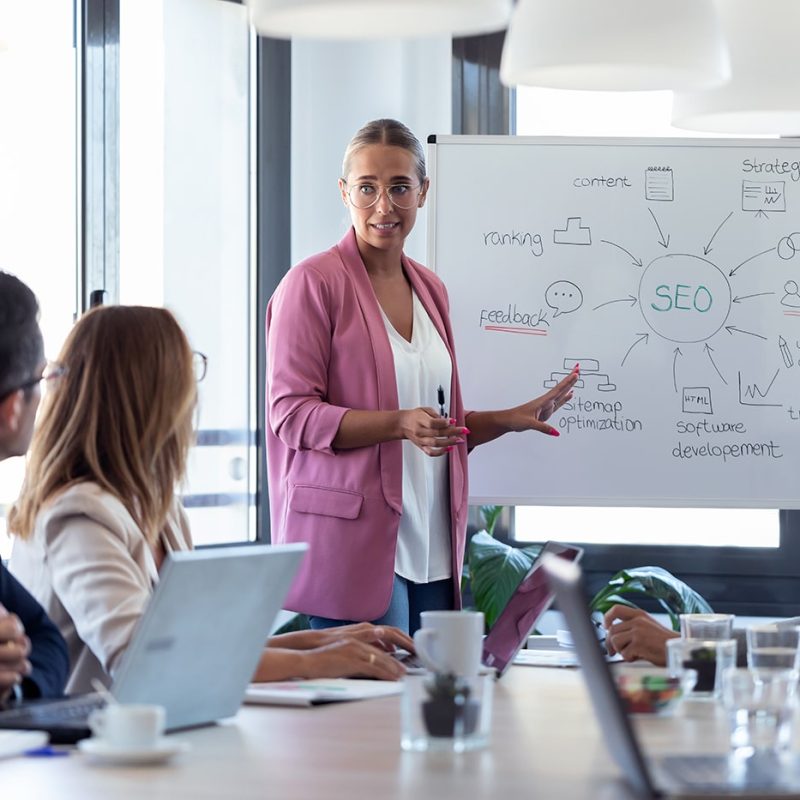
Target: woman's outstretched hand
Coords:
[(534, 414)]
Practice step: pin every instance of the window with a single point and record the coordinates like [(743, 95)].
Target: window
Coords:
[(185, 227), (38, 168), (553, 112)]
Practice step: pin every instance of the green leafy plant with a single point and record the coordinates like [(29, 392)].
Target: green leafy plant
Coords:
[(672, 594), (494, 569)]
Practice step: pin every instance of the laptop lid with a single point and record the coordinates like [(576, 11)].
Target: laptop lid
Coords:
[(198, 643), (567, 584), (524, 609)]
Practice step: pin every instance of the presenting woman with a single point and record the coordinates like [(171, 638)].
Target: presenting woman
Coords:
[(367, 436), (99, 511)]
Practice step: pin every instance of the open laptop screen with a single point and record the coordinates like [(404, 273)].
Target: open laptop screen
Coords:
[(530, 600)]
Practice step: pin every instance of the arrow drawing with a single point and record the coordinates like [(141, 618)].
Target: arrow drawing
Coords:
[(629, 299), (643, 337), (738, 299), (707, 249), (663, 242), (709, 350), (677, 352), (732, 328), (761, 213), (637, 262), (762, 253)]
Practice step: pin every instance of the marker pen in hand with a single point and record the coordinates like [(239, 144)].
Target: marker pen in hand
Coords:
[(440, 397)]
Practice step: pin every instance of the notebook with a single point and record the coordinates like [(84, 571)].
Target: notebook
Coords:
[(681, 776), (518, 618), (319, 692), (196, 646)]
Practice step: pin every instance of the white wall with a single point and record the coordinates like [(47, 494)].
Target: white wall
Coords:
[(336, 88)]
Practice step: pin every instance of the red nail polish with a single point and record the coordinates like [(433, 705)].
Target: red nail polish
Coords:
[(467, 431), (554, 432), (451, 421)]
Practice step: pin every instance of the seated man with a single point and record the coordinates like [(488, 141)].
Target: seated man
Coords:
[(33, 656)]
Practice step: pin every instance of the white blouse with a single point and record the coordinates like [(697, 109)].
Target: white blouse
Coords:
[(423, 539)]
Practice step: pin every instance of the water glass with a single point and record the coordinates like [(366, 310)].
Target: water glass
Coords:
[(706, 626), (771, 647), (708, 657), (760, 708), (445, 712)]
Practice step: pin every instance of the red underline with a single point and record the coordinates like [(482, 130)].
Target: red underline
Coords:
[(791, 313), (528, 331)]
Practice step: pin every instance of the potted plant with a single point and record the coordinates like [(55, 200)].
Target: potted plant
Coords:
[(449, 710)]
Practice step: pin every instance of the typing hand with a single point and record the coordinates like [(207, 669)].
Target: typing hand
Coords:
[(14, 649)]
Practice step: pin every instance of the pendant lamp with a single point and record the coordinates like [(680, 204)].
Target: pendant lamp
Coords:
[(615, 45), (370, 19), (762, 95)]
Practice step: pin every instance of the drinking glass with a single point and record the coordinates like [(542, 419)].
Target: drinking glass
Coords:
[(771, 647), (706, 626), (442, 711), (760, 708), (708, 657)]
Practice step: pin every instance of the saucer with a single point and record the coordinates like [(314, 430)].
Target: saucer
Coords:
[(103, 752)]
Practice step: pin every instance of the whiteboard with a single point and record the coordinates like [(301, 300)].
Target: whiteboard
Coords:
[(670, 270)]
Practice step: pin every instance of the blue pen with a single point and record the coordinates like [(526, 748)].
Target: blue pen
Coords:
[(440, 395), (45, 752)]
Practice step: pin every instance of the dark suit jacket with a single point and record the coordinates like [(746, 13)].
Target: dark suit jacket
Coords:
[(48, 650)]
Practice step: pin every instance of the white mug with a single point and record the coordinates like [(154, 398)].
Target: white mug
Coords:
[(128, 726), (451, 641)]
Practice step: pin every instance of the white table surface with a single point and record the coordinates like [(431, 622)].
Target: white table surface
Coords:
[(545, 744)]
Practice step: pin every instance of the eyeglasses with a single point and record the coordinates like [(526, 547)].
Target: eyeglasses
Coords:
[(401, 195), (200, 365), (51, 372)]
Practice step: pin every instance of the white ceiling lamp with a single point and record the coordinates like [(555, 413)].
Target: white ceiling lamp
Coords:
[(762, 95), (369, 19), (615, 45)]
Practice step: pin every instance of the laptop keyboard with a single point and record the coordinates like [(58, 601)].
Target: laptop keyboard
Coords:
[(721, 771), (71, 711)]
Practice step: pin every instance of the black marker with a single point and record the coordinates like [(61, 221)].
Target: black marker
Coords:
[(440, 395)]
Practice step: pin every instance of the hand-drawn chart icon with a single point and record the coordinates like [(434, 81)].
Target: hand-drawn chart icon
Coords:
[(574, 233), (763, 196), (659, 184), (590, 375)]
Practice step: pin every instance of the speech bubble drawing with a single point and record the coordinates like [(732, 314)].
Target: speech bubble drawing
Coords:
[(564, 296)]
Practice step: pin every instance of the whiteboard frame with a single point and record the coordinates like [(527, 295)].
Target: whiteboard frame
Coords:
[(435, 140)]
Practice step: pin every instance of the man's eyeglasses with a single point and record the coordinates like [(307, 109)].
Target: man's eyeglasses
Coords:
[(401, 195), (200, 364), (51, 372)]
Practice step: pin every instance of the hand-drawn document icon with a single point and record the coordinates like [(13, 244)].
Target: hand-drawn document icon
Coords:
[(574, 233), (659, 184), (763, 196)]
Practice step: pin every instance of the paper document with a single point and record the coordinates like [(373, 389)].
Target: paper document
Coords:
[(316, 692)]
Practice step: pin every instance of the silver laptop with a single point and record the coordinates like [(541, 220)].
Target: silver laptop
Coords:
[(684, 776), (196, 646)]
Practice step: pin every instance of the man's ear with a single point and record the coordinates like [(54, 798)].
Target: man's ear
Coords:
[(10, 412)]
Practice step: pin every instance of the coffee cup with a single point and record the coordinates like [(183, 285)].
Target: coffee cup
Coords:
[(128, 726), (451, 641)]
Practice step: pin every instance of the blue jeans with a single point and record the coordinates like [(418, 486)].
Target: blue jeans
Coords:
[(408, 601)]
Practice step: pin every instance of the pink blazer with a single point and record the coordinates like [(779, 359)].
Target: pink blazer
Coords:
[(327, 352)]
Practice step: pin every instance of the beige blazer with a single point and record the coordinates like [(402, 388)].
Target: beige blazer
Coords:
[(89, 565)]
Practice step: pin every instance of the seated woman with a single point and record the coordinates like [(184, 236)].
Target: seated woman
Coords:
[(98, 510)]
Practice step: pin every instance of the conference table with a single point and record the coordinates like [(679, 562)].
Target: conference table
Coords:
[(545, 744)]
